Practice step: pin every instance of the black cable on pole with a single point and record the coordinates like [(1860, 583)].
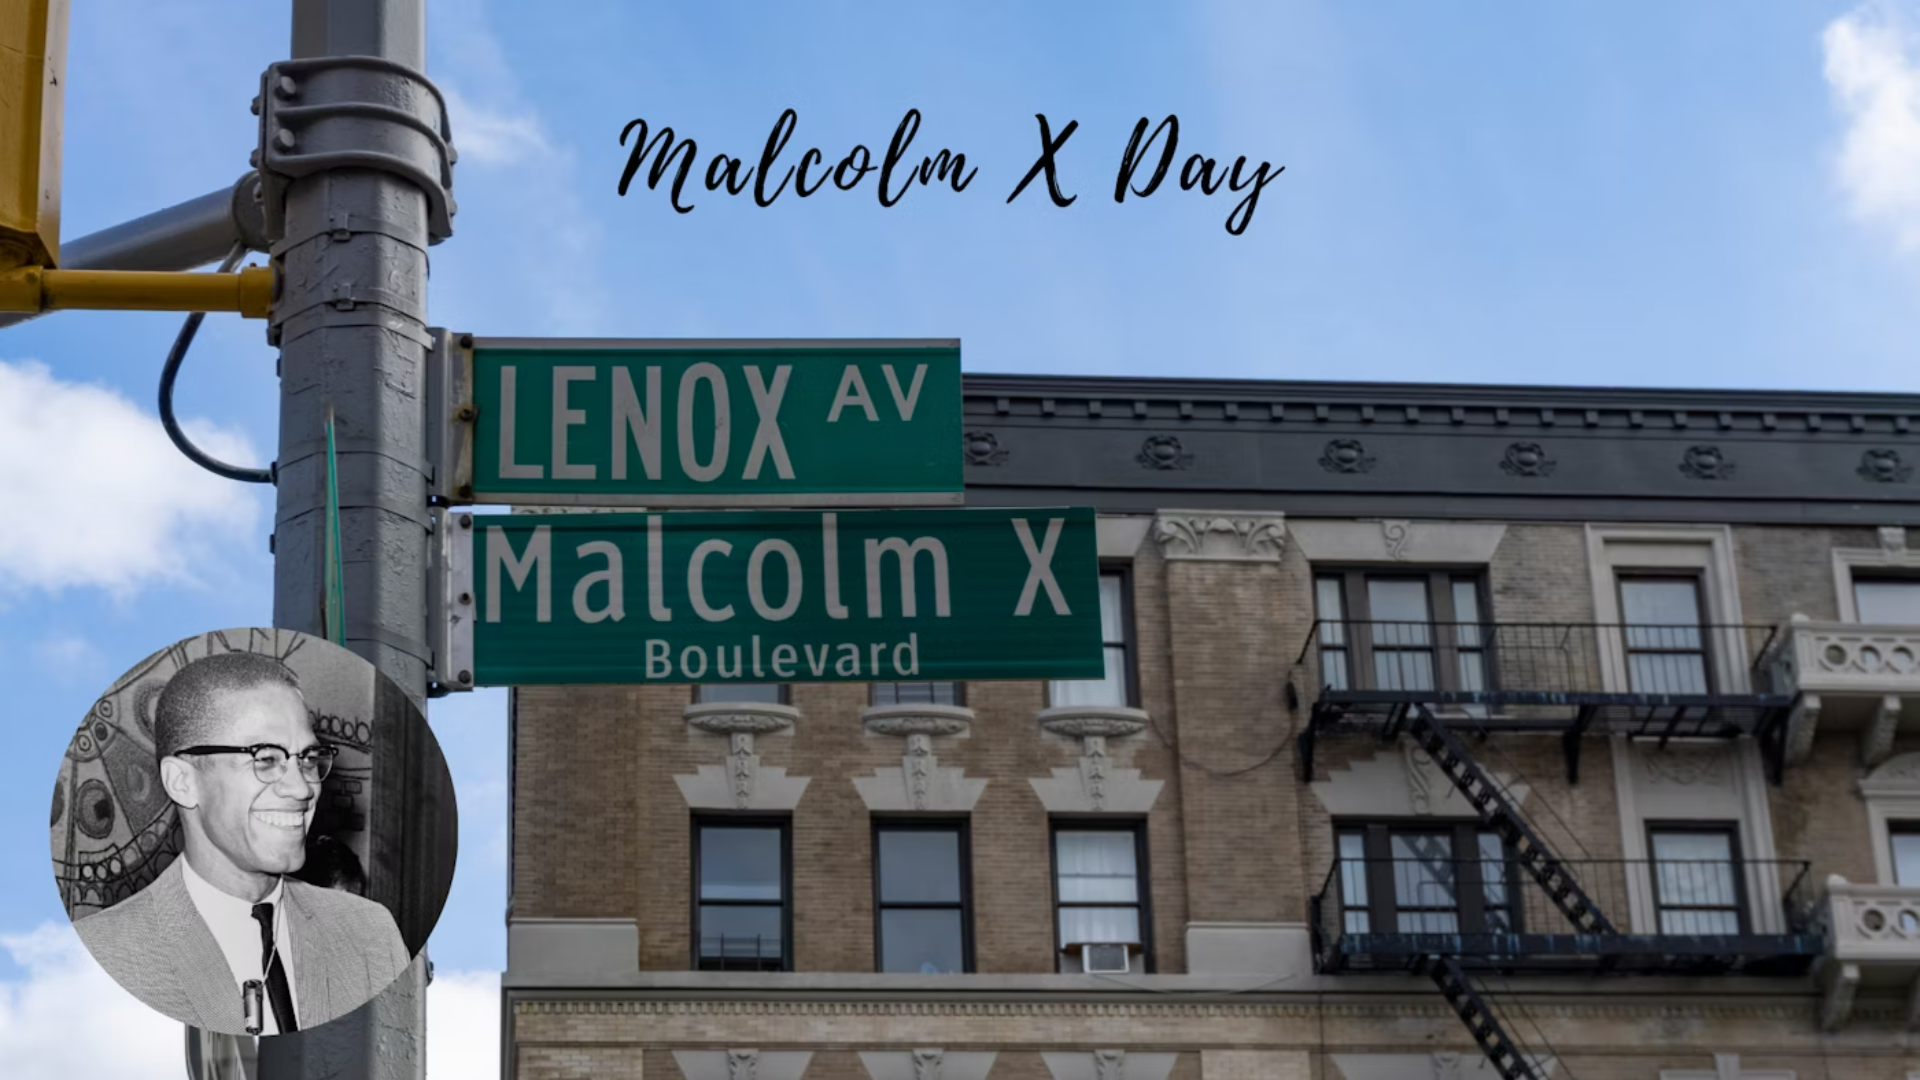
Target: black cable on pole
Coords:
[(182, 342)]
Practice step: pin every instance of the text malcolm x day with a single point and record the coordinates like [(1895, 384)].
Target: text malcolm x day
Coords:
[(723, 170)]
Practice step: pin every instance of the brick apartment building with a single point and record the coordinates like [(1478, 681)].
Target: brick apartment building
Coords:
[(1448, 732)]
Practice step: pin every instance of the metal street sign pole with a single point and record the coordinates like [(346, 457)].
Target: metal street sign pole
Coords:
[(350, 215)]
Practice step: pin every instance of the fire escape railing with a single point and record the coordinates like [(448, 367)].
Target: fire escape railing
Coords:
[(1647, 681)]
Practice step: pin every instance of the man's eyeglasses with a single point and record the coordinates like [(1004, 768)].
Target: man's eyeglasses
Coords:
[(270, 761)]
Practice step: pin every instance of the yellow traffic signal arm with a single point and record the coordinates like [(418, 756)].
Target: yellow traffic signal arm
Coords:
[(32, 289)]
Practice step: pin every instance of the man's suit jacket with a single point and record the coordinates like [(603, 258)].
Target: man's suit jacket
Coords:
[(346, 950)]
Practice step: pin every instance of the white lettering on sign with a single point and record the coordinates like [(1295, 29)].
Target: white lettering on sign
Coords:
[(766, 437), (509, 402), (904, 403), (756, 586), (882, 661), (612, 577), (657, 609), (564, 418), (830, 555), (537, 558), (1039, 567), (631, 421), (852, 391), (879, 549), (696, 583), (716, 380)]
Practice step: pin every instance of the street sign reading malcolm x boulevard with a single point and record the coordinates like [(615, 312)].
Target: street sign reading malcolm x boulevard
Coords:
[(774, 596), (563, 422)]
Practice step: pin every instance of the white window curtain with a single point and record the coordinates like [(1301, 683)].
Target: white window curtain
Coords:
[(1098, 868), (1111, 688)]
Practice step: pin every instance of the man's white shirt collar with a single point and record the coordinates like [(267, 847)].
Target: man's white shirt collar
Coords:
[(238, 934)]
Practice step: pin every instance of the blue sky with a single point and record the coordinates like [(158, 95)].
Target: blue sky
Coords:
[(1646, 194)]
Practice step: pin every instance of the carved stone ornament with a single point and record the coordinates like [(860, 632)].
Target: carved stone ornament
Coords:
[(926, 1064), (1162, 452), (1094, 784), (1109, 1065), (1883, 465), (1527, 459), (742, 783), (920, 783), (1706, 463), (1346, 456), (1686, 768), (983, 448), (742, 1064), (1893, 538), (1220, 537), (1397, 536)]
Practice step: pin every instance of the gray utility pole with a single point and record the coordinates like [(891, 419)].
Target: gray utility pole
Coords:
[(355, 167)]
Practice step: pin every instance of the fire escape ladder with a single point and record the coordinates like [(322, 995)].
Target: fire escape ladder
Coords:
[(1451, 756), (1477, 1013)]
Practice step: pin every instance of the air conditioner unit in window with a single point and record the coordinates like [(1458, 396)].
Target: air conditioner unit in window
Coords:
[(1103, 959)]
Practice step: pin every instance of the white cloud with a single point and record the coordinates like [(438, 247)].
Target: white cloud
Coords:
[(69, 1018), (486, 136), (47, 1018), (95, 494), (463, 1026), (1873, 68)]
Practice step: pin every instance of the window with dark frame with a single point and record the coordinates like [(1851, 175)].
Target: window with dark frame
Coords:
[(1665, 635), (1402, 631), (743, 914), (741, 693), (1697, 887), (1887, 601), (923, 922), (1904, 838), (919, 693), (1118, 685), (1100, 889), (1402, 878)]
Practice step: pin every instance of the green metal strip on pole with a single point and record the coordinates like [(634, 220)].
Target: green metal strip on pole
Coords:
[(334, 610)]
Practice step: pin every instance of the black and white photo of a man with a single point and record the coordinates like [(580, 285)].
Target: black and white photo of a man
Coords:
[(227, 938)]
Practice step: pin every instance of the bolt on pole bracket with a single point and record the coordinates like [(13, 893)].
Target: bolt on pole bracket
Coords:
[(353, 112)]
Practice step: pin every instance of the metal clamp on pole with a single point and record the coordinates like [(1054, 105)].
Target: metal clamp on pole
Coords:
[(353, 112), (32, 289)]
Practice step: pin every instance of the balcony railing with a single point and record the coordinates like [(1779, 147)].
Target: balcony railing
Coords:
[(1757, 916)]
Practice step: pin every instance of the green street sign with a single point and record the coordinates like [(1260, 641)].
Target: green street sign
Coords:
[(773, 596), (666, 423)]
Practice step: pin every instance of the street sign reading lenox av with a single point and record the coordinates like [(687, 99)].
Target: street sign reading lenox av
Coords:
[(774, 596), (737, 423)]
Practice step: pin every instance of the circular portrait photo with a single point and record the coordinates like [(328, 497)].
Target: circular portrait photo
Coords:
[(254, 831)]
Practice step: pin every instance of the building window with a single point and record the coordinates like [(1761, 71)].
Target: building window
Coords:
[(743, 910), (1425, 879), (1696, 883), (741, 693), (1904, 838), (919, 693), (921, 897), (1887, 601), (1666, 643), (1100, 890), (1401, 631), (1116, 633)]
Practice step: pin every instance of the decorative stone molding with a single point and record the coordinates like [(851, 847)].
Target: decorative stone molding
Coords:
[(1108, 1065), (1892, 554), (1444, 1065), (983, 448), (1095, 785), (1815, 661), (1463, 543), (1527, 459), (920, 783), (743, 1064), (1403, 781), (1706, 463), (1220, 536), (1893, 538), (925, 1064), (1883, 465), (742, 783), (1726, 1067), (1346, 456), (1163, 452), (1892, 793)]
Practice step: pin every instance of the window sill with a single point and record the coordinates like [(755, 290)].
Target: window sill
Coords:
[(1081, 721)]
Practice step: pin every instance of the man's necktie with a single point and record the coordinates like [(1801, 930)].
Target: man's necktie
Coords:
[(278, 993)]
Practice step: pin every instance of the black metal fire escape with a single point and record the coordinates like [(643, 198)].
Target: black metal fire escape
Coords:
[(1539, 679)]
